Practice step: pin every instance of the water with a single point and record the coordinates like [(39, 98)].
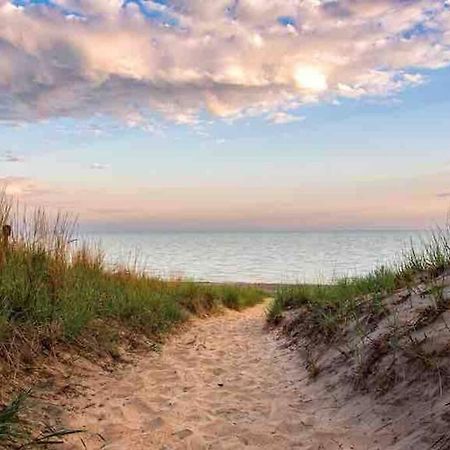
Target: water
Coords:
[(267, 257)]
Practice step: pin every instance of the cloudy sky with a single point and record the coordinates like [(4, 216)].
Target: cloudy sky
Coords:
[(228, 114)]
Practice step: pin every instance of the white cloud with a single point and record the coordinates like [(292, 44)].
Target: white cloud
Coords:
[(80, 58), (98, 166), (280, 118)]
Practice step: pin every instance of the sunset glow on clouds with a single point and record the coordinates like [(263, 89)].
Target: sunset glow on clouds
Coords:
[(179, 58), (228, 113)]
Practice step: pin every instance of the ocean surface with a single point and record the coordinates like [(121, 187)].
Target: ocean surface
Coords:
[(269, 257)]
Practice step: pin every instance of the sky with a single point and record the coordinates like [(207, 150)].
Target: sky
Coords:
[(228, 114)]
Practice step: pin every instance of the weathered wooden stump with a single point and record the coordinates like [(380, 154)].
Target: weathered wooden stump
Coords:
[(6, 234), (4, 243)]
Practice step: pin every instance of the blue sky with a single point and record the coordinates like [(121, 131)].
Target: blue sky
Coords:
[(252, 139)]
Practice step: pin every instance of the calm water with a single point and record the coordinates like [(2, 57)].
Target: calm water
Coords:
[(258, 257)]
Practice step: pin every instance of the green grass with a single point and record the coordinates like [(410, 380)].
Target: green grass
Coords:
[(57, 286), (328, 308)]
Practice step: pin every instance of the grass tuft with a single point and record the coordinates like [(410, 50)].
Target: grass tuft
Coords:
[(9, 418)]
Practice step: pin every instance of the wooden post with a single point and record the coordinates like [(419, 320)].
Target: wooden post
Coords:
[(6, 234), (4, 243)]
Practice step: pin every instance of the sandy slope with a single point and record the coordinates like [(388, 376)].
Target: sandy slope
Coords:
[(225, 384)]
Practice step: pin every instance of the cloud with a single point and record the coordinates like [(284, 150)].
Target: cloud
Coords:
[(443, 195), (281, 118), (12, 158), (178, 59), (98, 166)]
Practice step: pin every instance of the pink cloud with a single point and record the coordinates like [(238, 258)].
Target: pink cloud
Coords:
[(104, 58)]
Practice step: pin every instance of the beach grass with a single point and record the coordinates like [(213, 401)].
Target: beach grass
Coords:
[(48, 279), (330, 307), (56, 290)]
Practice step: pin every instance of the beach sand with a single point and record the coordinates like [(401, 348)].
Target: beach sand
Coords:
[(225, 383)]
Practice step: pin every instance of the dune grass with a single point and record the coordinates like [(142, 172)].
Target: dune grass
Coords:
[(330, 307), (47, 278)]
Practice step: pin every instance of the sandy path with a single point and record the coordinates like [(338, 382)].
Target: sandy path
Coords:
[(224, 384)]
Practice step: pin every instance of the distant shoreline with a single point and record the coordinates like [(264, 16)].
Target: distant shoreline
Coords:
[(267, 287), (90, 232)]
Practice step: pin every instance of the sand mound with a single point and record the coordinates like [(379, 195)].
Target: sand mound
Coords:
[(390, 371)]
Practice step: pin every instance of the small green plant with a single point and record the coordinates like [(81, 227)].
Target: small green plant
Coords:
[(10, 428), (274, 311), (15, 434), (311, 363)]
